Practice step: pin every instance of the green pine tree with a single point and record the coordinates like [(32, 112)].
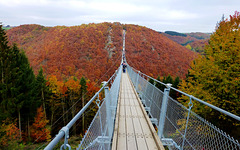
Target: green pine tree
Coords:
[(41, 89), (5, 58), (25, 95), (159, 85), (151, 81), (17, 85), (169, 79), (174, 94)]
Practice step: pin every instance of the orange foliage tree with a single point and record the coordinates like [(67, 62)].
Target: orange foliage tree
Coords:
[(10, 137), (39, 130), (74, 90)]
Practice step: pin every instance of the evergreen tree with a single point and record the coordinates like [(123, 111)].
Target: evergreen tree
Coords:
[(174, 94), (22, 89), (83, 88), (159, 85), (17, 84), (176, 82), (17, 98), (42, 90), (169, 79), (215, 77), (151, 81), (5, 58), (10, 77)]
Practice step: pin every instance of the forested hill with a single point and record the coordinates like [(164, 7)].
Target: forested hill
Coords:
[(91, 49), (196, 41)]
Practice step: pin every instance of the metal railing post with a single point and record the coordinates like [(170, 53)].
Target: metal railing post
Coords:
[(108, 111), (190, 104), (163, 110), (66, 133), (136, 85)]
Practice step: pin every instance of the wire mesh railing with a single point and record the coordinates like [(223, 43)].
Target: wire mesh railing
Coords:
[(100, 131), (178, 126)]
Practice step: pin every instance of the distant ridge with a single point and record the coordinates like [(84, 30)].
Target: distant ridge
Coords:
[(196, 40)]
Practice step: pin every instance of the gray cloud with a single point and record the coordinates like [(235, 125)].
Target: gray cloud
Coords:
[(160, 15)]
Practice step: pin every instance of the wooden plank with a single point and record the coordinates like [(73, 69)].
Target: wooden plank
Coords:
[(131, 102), (131, 142), (136, 103), (122, 103), (122, 143), (132, 96), (134, 110), (151, 144), (127, 102), (139, 112), (137, 127), (147, 124), (141, 143), (139, 133), (133, 128), (121, 125)]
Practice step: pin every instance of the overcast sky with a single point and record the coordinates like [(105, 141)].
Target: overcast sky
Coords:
[(160, 15)]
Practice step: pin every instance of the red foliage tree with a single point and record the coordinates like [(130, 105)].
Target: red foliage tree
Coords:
[(39, 130)]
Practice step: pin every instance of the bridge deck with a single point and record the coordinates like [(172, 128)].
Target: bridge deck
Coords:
[(133, 128)]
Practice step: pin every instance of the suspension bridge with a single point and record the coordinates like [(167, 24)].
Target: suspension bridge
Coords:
[(136, 115)]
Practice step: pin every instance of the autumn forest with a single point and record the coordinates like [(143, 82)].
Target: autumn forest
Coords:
[(49, 73)]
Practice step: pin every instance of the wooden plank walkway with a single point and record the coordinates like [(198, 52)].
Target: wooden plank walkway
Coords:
[(133, 128)]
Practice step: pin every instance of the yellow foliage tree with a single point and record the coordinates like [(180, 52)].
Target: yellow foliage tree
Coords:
[(188, 47), (10, 137), (215, 77), (74, 90)]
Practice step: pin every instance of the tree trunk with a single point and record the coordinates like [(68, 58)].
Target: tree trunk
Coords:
[(52, 113), (19, 124), (2, 72), (44, 107), (73, 113), (28, 130), (63, 108), (74, 126)]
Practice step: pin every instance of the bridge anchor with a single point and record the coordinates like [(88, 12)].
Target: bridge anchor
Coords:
[(169, 142), (66, 133)]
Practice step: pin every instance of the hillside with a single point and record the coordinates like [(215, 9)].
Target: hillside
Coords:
[(155, 54), (196, 40), (198, 46), (90, 50), (67, 51)]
